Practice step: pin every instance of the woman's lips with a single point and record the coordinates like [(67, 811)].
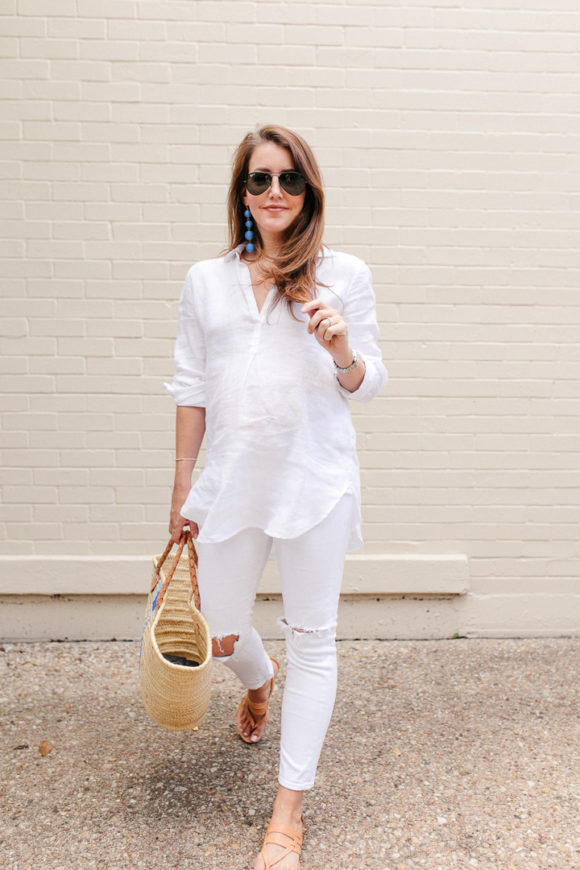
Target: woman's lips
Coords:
[(275, 208)]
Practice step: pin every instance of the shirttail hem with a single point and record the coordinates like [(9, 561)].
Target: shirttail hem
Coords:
[(355, 541)]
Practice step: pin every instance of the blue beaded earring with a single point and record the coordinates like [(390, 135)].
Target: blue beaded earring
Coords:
[(249, 235)]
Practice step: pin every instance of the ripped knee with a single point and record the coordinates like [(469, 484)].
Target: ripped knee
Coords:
[(224, 646), (314, 631)]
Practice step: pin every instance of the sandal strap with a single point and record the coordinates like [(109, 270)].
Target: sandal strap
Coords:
[(286, 830), (274, 837), (258, 709), (256, 712)]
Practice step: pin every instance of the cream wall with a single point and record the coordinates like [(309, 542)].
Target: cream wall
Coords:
[(448, 134)]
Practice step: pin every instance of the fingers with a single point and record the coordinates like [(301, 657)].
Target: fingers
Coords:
[(319, 312), (177, 525), (315, 309), (330, 332), (175, 534), (318, 316), (326, 318), (327, 325), (312, 305)]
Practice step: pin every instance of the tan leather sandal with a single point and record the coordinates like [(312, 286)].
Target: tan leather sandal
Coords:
[(279, 835), (257, 711)]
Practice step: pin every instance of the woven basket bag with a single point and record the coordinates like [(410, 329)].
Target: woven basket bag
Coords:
[(176, 696)]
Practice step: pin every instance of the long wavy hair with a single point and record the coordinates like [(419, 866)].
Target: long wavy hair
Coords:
[(294, 270)]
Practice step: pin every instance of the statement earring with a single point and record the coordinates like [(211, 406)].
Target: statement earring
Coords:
[(249, 235)]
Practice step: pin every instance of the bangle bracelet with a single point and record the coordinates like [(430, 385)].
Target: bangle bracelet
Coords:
[(186, 459), (349, 368)]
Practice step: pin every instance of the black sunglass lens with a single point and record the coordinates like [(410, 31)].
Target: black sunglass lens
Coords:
[(293, 183), (258, 182)]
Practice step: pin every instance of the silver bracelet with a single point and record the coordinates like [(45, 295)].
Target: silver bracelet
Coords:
[(354, 363)]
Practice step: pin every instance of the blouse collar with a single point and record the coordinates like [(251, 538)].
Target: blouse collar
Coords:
[(235, 252)]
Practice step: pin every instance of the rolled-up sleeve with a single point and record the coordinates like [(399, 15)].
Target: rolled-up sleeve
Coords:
[(188, 385), (360, 316)]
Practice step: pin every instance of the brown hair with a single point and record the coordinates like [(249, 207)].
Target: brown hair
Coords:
[(294, 272)]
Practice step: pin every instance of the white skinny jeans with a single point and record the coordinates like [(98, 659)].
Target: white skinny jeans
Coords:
[(311, 568)]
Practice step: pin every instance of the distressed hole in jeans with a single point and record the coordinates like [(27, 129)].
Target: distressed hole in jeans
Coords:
[(318, 632), (224, 645)]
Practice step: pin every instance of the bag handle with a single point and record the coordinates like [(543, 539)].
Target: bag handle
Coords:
[(186, 537)]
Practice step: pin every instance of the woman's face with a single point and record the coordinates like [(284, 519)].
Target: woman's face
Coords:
[(274, 210)]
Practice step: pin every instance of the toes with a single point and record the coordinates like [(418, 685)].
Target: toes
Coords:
[(245, 724), (258, 733), (255, 733)]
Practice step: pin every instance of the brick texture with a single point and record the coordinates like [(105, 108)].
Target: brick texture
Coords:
[(448, 134)]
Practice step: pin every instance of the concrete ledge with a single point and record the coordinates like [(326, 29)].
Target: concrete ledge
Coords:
[(120, 617), (100, 598), (416, 617), (374, 574)]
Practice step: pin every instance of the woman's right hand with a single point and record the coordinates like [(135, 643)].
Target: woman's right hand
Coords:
[(189, 432), (176, 521)]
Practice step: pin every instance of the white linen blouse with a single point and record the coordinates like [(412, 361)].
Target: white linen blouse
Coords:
[(280, 443)]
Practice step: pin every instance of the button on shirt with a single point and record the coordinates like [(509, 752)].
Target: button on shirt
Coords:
[(280, 443)]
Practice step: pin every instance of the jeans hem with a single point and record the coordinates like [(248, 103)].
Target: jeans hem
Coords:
[(295, 786)]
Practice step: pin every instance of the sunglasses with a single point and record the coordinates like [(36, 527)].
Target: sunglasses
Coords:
[(292, 182)]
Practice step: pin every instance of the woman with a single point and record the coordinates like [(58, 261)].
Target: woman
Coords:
[(274, 338)]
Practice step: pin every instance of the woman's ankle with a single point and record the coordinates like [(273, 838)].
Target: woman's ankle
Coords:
[(265, 690), (288, 807)]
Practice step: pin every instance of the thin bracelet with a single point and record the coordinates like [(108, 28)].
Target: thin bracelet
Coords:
[(186, 459)]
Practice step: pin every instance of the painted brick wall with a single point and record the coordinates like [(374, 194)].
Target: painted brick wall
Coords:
[(448, 134)]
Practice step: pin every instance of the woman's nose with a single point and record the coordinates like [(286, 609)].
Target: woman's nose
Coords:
[(275, 186)]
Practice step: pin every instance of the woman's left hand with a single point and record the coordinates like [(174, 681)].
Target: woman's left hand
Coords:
[(329, 329)]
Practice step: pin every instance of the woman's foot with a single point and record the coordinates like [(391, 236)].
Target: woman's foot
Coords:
[(253, 710), (287, 813)]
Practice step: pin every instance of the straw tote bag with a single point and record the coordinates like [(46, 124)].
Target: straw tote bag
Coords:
[(175, 690)]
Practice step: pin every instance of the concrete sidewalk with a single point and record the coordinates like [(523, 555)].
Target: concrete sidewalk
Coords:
[(441, 754)]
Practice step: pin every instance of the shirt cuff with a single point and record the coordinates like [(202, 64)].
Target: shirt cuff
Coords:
[(371, 384), (188, 394)]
